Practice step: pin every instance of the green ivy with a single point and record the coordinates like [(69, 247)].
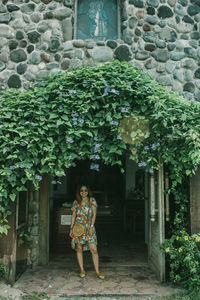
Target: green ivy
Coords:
[(3, 271), (82, 114)]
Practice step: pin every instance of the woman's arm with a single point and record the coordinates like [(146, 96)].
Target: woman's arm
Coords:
[(94, 214), (72, 223)]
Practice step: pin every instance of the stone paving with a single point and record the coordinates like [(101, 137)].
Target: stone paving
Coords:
[(126, 276)]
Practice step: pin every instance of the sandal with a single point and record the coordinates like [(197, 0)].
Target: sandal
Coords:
[(100, 275), (82, 274)]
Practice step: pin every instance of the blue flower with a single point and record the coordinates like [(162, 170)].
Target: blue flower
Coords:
[(124, 110), (153, 147), (72, 92), (81, 120), (115, 92), (107, 90), (95, 138), (71, 157), (28, 166), (60, 107), (119, 137), (69, 140), (151, 171), (22, 166), (127, 104), (114, 123), (12, 168), (55, 126), (39, 177), (7, 149), (11, 179), (142, 164), (53, 182), (59, 175), (32, 124), (75, 122), (94, 167), (75, 115), (96, 147), (91, 156), (146, 148), (84, 81), (158, 144), (97, 156), (23, 144)]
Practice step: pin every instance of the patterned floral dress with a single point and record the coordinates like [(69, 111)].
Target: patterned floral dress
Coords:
[(84, 215)]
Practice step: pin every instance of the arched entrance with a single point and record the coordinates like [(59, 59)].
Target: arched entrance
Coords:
[(127, 203), (81, 113)]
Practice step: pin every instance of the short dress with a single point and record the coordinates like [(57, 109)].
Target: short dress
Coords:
[(84, 215)]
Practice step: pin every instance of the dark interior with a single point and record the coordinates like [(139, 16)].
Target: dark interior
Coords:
[(116, 215)]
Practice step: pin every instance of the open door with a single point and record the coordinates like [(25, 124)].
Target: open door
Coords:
[(156, 257)]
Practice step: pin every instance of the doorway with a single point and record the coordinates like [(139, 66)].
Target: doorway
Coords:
[(121, 218)]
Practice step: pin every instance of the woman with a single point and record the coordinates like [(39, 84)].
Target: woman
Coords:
[(84, 211)]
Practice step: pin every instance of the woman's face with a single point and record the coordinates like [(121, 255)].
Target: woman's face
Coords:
[(83, 191)]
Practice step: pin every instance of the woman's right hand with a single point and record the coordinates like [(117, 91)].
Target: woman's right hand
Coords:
[(71, 233)]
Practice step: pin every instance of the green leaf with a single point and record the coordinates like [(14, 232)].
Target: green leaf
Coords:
[(12, 197), (188, 172)]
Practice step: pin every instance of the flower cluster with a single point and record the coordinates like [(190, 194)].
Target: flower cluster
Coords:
[(142, 164), (114, 123), (96, 148), (109, 90), (71, 92), (94, 167), (69, 140)]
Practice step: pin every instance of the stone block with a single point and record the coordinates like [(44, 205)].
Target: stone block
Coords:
[(18, 55), (165, 80), (164, 12), (102, 54), (14, 81), (5, 18), (6, 32), (161, 55), (62, 13), (28, 8), (123, 53), (67, 29)]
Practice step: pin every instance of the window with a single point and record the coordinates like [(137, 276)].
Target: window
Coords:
[(97, 20)]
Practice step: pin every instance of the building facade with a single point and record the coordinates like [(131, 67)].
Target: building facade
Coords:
[(39, 38)]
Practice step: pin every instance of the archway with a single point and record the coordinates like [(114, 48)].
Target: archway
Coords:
[(76, 115)]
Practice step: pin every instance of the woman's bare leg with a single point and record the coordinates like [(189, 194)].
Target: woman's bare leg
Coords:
[(95, 257), (79, 254)]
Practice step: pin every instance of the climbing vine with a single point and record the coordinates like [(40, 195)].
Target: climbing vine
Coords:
[(83, 114)]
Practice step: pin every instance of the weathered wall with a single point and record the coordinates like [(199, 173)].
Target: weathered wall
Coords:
[(160, 36)]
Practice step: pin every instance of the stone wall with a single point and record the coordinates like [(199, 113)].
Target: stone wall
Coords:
[(160, 36)]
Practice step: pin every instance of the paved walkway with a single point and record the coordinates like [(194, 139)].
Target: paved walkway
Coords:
[(127, 276)]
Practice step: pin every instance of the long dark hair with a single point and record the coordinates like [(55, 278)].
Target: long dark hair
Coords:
[(78, 196)]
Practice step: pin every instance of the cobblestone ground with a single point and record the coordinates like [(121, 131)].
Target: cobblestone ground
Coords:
[(127, 276)]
